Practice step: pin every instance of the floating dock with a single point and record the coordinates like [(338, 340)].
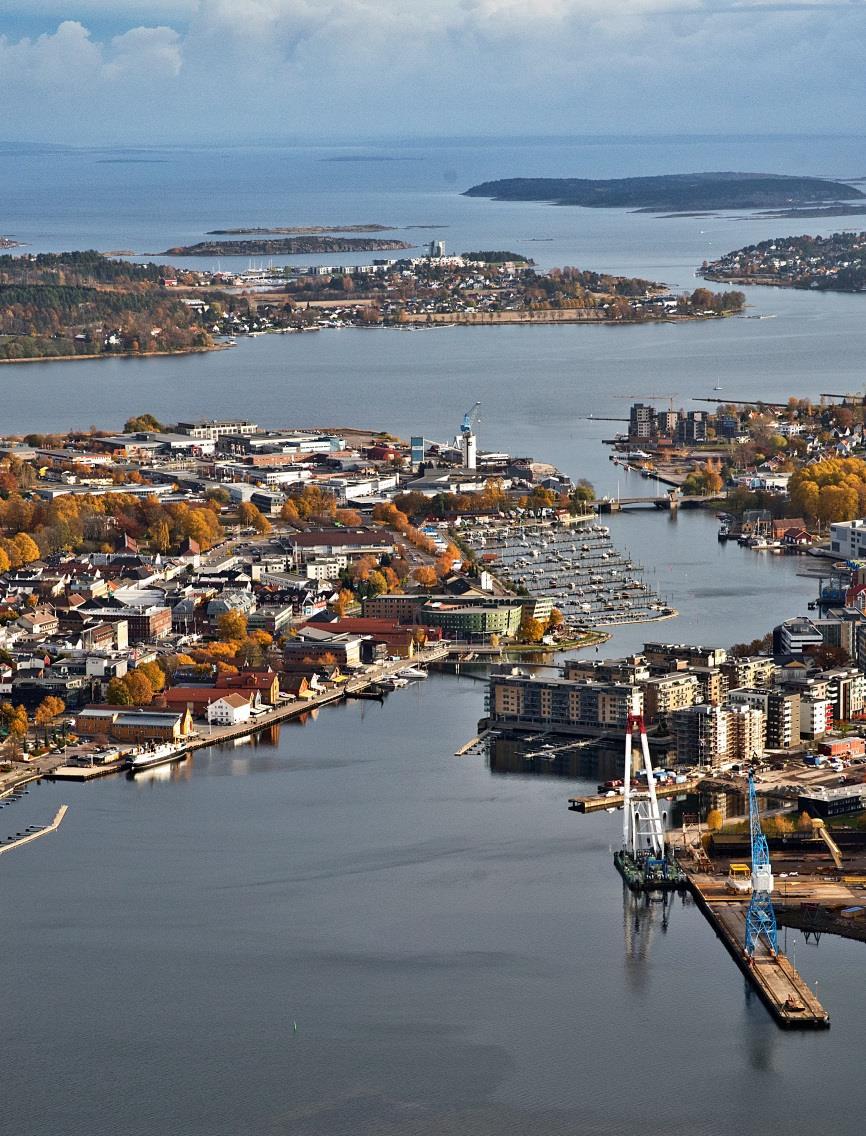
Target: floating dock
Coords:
[(780, 987), (30, 836)]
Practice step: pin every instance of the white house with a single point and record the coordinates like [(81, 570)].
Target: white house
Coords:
[(229, 710)]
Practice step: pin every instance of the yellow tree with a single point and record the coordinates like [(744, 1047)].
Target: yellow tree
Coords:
[(47, 710), (27, 548), (531, 630), (251, 517), (139, 688), (154, 674), (232, 626)]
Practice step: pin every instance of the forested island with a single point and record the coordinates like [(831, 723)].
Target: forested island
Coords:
[(673, 192), (836, 263), (287, 246), (60, 305)]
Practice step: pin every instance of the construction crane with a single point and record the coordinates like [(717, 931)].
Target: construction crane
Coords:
[(470, 418), (642, 831), (761, 915)]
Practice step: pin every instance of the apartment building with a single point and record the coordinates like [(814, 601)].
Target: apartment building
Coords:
[(524, 701), (667, 693), (781, 710), (749, 671), (678, 656), (632, 669), (708, 735)]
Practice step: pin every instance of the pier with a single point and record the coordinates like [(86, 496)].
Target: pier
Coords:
[(780, 987), (595, 802), (30, 836)]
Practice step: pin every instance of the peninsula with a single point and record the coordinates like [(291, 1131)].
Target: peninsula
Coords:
[(286, 246), (673, 192), (836, 263), (87, 305)]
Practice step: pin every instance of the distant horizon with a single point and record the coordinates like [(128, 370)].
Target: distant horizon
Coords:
[(355, 142)]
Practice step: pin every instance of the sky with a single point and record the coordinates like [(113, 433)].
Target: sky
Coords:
[(177, 71)]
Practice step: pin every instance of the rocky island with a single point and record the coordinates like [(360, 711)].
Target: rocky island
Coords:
[(287, 246), (299, 230), (673, 192)]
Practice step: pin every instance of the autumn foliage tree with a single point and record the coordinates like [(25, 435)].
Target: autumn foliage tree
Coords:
[(830, 490), (251, 517), (232, 626), (16, 722), (531, 630), (47, 710)]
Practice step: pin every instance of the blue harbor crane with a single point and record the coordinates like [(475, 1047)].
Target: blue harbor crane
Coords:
[(761, 916)]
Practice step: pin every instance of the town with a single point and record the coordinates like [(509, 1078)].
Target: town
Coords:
[(171, 586), (781, 473), (835, 263)]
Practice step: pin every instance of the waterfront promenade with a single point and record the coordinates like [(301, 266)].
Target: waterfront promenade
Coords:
[(50, 765)]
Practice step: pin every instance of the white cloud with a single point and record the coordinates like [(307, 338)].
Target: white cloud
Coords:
[(457, 66), (154, 53)]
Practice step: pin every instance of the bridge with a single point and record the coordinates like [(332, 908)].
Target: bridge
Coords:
[(669, 500)]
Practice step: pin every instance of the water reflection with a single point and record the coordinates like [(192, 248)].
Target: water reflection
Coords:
[(548, 756), (645, 916)]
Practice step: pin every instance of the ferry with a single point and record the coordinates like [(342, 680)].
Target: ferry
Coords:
[(158, 755)]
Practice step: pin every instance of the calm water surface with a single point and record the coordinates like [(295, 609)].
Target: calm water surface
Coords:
[(454, 947)]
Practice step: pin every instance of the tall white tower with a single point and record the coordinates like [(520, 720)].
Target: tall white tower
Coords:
[(470, 459), (468, 441)]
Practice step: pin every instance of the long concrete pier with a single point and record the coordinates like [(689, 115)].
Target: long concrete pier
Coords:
[(780, 987)]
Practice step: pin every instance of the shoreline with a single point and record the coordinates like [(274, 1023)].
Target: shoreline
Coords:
[(421, 323), (117, 355)]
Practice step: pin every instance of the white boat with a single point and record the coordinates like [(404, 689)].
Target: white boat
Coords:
[(413, 672), (393, 683), (158, 755)]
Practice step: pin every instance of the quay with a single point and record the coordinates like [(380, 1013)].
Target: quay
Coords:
[(780, 987), (85, 772), (215, 735), (30, 836)]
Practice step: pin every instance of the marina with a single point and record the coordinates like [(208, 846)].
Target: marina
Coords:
[(589, 580)]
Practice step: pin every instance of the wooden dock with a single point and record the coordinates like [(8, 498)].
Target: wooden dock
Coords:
[(30, 836), (598, 801), (780, 987)]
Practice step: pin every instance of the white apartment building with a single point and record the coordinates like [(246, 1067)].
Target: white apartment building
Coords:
[(848, 539)]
